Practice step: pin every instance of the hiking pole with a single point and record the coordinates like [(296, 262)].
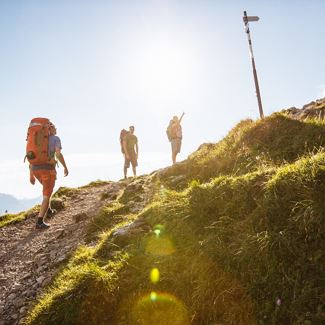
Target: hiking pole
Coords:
[(258, 94)]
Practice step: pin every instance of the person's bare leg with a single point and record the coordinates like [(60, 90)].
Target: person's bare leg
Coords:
[(44, 207), (125, 172), (174, 157), (134, 171)]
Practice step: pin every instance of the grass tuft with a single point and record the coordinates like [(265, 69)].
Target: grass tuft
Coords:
[(11, 218)]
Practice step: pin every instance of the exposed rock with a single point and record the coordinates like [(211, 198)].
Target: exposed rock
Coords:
[(16, 287), (315, 109), (57, 204), (14, 316), (40, 279), (25, 277), (41, 261), (28, 293), (111, 193), (46, 281), (32, 213), (11, 297), (60, 233), (174, 180), (40, 269), (19, 302), (124, 235), (80, 216), (60, 259)]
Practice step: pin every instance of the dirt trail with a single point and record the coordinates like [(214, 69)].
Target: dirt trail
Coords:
[(29, 258)]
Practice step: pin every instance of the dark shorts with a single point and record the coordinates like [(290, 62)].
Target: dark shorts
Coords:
[(132, 160), (176, 145)]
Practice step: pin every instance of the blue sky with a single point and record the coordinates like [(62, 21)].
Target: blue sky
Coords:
[(94, 67)]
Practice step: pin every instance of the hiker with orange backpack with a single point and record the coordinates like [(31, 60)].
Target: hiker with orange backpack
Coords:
[(130, 149), (43, 147), (174, 134)]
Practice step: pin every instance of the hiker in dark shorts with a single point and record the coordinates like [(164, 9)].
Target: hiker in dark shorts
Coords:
[(131, 150), (46, 175), (174, 132)]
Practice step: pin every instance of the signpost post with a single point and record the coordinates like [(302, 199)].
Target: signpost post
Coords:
[(247, 19)]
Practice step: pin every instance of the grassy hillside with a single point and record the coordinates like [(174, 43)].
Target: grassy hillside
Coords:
[(233, 235), (10, 218), (251, 146)]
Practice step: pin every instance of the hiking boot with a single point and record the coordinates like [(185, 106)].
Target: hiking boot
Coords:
[(50, 213), (42, 225)]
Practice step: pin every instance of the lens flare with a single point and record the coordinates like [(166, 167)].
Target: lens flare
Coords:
[(160, 246), (160, 309), (162, 191), (159, 229), (153, 296), (154, 275), (157, 232), (159, 243)]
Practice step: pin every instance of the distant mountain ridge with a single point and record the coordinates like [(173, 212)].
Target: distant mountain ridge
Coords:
[(13, 205)]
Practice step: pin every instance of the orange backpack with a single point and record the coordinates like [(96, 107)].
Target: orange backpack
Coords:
[(38, 141)]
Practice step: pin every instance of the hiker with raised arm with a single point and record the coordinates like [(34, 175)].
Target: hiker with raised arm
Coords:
[(131, 151), (43, 148), (174, 134)]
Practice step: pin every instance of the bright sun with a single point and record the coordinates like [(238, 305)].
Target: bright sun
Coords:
[(162, 68)]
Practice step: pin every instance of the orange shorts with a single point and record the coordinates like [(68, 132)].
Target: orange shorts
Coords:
[(47, 179)]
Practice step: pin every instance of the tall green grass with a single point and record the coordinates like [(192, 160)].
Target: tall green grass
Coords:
[(242, 243), (268, 229)]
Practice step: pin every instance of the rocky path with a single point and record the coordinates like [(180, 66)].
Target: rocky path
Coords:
[(29, 258)]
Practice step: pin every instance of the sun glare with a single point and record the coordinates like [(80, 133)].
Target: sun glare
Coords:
[(161, 69)]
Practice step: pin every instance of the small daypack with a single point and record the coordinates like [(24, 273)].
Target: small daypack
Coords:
[(169, 131), (38, 141), (123, 134)]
